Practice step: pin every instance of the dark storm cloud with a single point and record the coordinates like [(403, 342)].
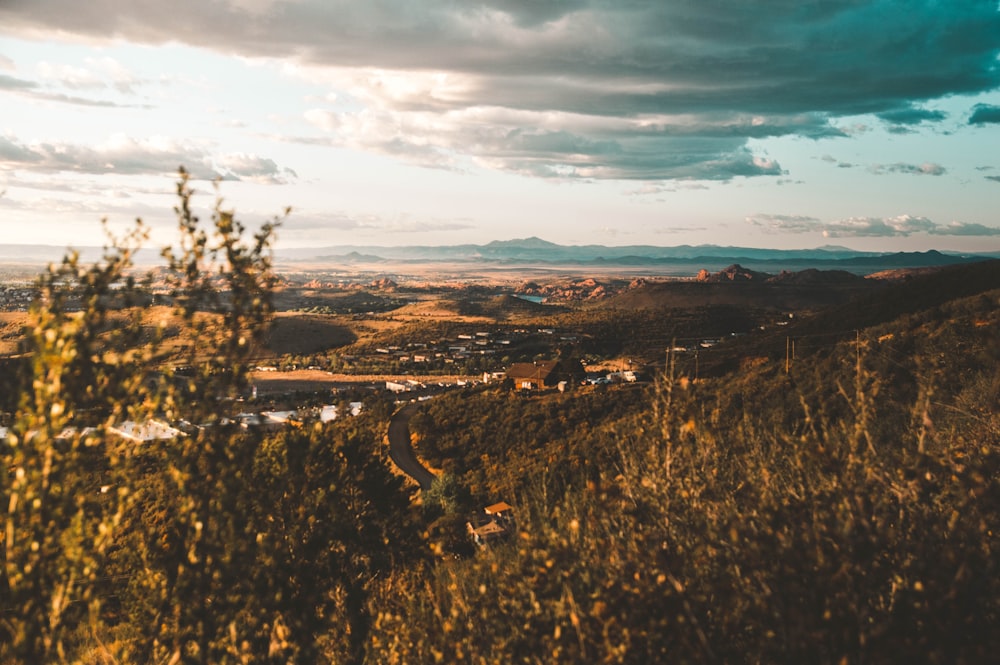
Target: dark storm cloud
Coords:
[(984, 114), (912, 116), (694, 67)]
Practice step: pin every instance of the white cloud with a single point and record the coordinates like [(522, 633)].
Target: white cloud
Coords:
[(304, 225), (927, 168), (867, 227), (855, 227), (242, 166), (95, 74), (966, 229), (124, 155), (785, 223)]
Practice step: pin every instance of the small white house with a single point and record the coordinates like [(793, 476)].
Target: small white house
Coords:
[(330, 412), (145, 432)]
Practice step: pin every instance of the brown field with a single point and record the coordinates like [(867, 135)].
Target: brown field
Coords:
[(308, 380), (11, 331), (431, 308)]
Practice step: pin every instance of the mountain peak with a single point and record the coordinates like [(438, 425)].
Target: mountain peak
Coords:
[(534, 242)]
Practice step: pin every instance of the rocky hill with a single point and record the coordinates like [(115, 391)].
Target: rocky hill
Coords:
[(734, 273)]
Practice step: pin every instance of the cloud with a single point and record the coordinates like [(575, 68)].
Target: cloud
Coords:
[(652, 188), (12, 152), (32, 89), (965, 229), (405, 224), (550, 144), (674, 230), (127, 156), (95, 74), (927, 168), (15, 84), (911, 115), (830, 159), (650, 90), (785, 223), (994, 178), (92, 74), (888, 227), (984, 114), (120, 155), (868, 227), (242, 166), (309, 225)]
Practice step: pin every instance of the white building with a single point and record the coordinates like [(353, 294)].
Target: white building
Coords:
[(145, 432)]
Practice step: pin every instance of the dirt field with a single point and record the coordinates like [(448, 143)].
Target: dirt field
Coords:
[(11, 331), (316, 380)]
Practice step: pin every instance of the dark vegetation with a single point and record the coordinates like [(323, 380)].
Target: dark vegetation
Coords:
[(505, 443), (306, 334), (844, 512), (314, 301), (841, 506)]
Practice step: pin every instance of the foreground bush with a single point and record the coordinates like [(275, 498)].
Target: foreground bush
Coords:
[(215, 546)]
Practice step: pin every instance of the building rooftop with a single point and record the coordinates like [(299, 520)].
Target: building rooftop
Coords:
[(144, 432)]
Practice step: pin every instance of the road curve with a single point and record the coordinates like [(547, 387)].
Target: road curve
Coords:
[(400, 450)]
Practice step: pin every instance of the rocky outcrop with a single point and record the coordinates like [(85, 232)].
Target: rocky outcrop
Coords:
[(812, 276), (734, 273), (384, 284)]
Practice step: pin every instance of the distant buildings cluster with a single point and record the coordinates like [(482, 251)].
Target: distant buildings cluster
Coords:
[(155, 430)]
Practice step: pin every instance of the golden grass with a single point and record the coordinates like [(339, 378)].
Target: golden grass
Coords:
[(11, 331)]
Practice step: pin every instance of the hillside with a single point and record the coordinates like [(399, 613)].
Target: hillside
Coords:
[(923, 291), (781, 294), (843, 511)]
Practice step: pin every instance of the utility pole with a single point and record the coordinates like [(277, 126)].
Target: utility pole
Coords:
[(858, 348), (788, 343)]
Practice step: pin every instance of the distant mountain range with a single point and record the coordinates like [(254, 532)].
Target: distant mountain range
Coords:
[(684, 258), (535, 250)]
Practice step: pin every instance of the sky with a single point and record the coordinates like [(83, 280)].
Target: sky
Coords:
[(869, 124)]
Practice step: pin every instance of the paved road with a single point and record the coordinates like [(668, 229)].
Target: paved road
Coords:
[(400, 450)]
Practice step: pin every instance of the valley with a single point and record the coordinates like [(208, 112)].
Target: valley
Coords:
[(816, 440)]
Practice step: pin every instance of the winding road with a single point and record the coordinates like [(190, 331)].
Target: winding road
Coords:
[(400, 450)]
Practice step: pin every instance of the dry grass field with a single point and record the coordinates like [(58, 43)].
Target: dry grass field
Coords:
[(11, 331), (307, 380)]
